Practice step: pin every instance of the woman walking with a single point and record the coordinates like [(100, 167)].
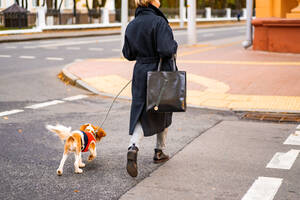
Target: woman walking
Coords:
[(147, 39)]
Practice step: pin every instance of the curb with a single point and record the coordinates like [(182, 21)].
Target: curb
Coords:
[(59, 36), (74, 80)]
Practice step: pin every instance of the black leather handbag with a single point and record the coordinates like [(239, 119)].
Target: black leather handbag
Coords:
[(166, 90)]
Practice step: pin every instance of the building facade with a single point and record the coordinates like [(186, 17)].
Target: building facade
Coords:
[(277, 26)]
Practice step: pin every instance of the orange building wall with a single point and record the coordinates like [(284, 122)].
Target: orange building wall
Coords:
[(274, 8), (273, 31)]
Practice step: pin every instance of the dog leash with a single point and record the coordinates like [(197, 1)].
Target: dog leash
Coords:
[(114, 102)]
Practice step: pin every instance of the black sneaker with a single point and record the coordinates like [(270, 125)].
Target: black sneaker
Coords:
[(159, 156), (132, 161)]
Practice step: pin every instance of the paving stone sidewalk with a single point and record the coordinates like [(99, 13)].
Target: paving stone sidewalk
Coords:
[(220, 76)]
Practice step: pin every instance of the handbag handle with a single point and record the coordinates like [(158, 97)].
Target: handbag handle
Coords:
[(173, 66)]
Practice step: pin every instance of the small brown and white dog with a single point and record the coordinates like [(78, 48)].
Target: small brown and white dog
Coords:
[(78, 141)]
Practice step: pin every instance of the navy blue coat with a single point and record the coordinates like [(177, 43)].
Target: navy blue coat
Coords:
[(147, 38)]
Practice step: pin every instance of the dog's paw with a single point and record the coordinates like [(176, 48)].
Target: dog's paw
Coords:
[(59, 172), (90, 158), (81, 165), (78, 171)]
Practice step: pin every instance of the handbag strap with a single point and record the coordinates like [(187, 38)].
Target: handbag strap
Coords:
[(173, 66)]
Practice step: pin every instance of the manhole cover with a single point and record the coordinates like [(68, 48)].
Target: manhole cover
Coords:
[(274, 117)]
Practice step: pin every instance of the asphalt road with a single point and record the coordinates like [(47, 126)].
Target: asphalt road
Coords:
[(30, 155), (29, 68)]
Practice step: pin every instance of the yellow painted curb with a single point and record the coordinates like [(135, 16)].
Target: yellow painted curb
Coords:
[(213, 96)]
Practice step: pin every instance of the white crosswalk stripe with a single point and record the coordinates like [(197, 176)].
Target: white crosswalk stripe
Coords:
[(283, 160), (293, 139), (264, 188)]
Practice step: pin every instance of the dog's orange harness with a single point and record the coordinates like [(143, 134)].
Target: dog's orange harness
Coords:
[(87, 138)]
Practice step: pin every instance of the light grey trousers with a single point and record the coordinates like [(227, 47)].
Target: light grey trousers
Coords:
[(138, 136)]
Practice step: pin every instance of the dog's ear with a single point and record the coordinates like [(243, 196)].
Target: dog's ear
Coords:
[(95, 127), (83, 127), (99, 134)]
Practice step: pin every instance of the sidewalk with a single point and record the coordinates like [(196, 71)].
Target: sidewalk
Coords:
[(221, 75)]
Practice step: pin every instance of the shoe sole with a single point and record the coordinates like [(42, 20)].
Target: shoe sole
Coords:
[(161, 160), (132, 164)]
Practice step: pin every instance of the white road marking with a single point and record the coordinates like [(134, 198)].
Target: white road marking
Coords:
[(50, 48), (208, 35), (283, 160), (45, 104), (10, 112), (29, 47), (118, 50), (77, 97), (298, 127), (5, 56), (78, 42), (293, 139), (54, 58), (73, 48), (78, 60), (27, 57), (46, 42), (264, 188), (96, 49), (10, 47), (214, 30)]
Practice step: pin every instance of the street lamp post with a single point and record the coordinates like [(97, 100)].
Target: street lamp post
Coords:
[(182, 13), (124, 21), (192, 37), (249, 39)]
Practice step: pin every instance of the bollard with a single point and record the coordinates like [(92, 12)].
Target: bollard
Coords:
[(105, 15), (228, 13), (208, 13), (192, 35), (40, 20), (124, 21)]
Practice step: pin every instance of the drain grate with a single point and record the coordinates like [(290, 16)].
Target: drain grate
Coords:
[(274, 117)]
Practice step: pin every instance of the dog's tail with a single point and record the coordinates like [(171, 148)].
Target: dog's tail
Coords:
[(62, 131)]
